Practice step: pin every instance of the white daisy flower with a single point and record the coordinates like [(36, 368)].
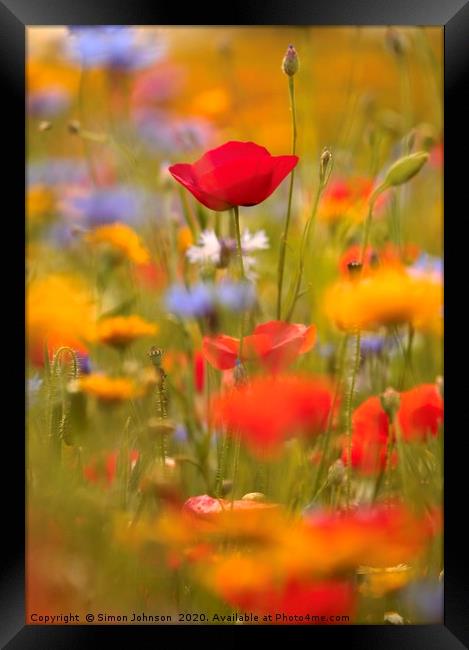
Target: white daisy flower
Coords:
[(208, 249), (256, 242)]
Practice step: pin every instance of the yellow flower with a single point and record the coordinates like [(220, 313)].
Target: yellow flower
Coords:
[(58, 309), (107, 389), (120, 331), (378, 582), (184, 239), (389, 296), (122, 239), (40, 202)]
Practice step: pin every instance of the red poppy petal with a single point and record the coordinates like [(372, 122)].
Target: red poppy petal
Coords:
[(184, 174), (221, 351)]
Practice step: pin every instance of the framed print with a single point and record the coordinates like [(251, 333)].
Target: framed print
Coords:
[(234, 323)]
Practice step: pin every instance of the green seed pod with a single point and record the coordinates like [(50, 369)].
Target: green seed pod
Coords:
[(390, 401), (405, 168), (290, 63)]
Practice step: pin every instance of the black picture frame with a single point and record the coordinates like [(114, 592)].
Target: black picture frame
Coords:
[(453, 16)]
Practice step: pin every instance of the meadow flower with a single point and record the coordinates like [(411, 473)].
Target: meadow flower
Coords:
[(217, 252), (40, 203), (197, 301), (203, 299), (347, 199), (270, 409), (420, 415), (120, 331), (106, 389), (390, 296), (275, 345), (428, 266), (105, 206), (122, 239), (60, 311), (163, 133), (236, 173), (102, 469), (114, 47), (387, 255)]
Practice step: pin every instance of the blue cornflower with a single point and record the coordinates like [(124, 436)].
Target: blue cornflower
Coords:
[(115, 47), (33, 387), (426, 597), (106, 206), (198, 300), (428, 265), (236, 296), (57, 171)]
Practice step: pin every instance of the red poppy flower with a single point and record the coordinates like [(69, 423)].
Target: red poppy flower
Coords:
[(54, 342), (298, 602), (237, 173), (370, 431), (421, 412), (275, 344), (199, 371), (104, 469), (268, 410)]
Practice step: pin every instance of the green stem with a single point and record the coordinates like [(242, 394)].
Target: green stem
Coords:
[(349, 409), (241, 269), (284, 239), (366, 233), (304, 241), (407, 356), (327, 434)]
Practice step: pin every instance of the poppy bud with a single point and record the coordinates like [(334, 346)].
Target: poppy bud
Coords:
[(336, 473), (239, 374), (290, 63), (254, 496), (390, 401), (405, 168), (325, 165)]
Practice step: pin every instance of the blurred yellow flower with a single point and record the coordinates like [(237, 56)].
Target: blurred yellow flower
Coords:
[(122, 239), (390, 296), (211, 103), (107, 389), (58, 308), (184, 239), (40, 202), (378, 582), (120, 331)]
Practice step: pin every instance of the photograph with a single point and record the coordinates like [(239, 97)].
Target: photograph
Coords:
[(234, 325)]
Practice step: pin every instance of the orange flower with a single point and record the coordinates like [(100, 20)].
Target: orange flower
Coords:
[(295, 601), (275, 345), (389, 296), (348, 199), (120, 331), (268, 410), (122, 239), (107, 389)]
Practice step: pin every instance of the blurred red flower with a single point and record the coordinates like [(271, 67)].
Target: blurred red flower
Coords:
[(420, 414), (288, 603), (268, 410), (236, 173), (275, 344), (104, 469)]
